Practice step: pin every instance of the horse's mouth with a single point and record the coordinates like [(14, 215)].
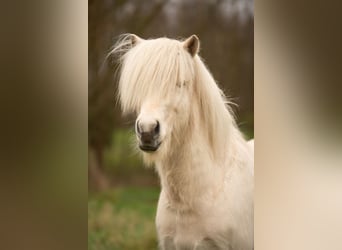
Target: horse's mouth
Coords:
[(149, 148)]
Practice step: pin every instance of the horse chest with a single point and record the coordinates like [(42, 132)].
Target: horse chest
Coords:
[(187, 231)]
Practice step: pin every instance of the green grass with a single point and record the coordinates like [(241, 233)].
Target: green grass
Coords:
[(123, 163), (121, 158), (246, 125), (122, 219)]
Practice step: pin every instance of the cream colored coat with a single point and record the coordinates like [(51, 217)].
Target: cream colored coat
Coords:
[(204, 163)]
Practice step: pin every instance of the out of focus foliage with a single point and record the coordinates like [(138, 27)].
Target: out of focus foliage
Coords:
[(122, 219), (226, 31)]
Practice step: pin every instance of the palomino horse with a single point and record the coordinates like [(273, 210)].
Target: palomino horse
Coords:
[(185, 128)]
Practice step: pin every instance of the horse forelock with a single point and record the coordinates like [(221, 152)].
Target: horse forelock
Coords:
[(152, 69)]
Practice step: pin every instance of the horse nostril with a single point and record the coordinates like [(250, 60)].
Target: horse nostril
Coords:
[(157, 128), (138, 128)]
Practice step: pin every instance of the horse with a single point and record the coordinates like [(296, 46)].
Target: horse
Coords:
[(185, 128)]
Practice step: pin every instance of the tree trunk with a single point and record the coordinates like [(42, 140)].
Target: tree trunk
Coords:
[(96, 177)]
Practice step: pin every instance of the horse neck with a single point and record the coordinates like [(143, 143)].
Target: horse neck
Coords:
[(190, 173)]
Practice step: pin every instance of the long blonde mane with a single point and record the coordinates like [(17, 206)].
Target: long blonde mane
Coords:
[(153, 68)]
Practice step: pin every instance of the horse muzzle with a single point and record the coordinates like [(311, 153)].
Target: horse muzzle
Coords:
[(148, 136)]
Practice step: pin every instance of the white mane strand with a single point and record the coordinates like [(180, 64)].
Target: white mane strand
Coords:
[(215, 113)]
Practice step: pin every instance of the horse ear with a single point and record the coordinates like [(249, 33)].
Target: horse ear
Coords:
[(192, 45), (135, 39)]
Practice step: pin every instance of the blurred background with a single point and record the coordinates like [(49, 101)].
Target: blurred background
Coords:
[(44, 107), (123, 193)]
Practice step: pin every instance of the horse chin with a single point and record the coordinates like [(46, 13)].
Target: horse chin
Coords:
[(149, 148)]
